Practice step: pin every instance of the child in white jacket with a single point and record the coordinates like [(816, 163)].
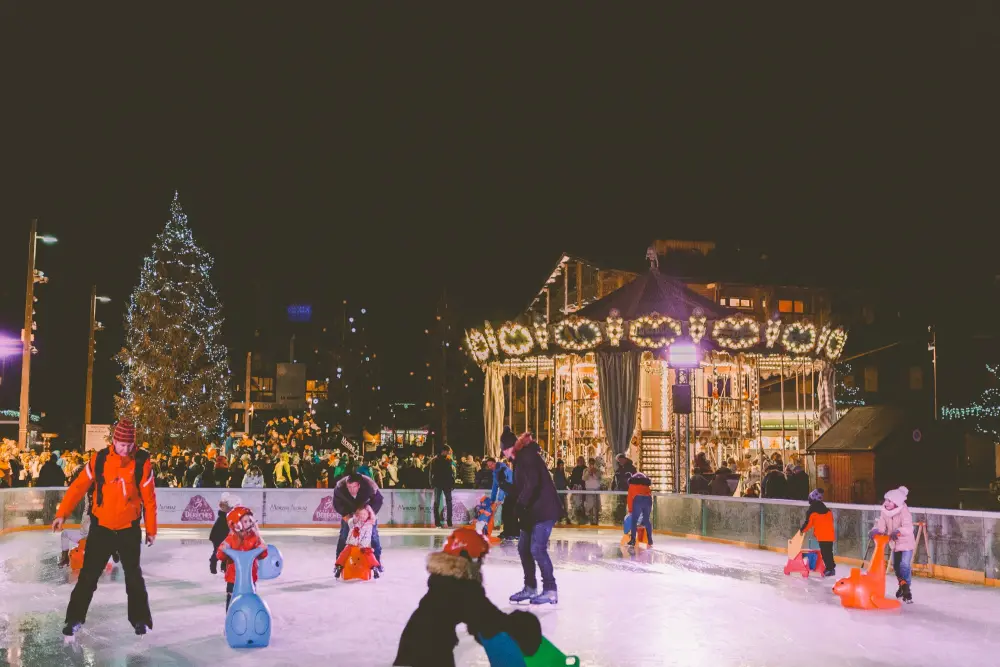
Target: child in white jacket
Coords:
[(896, 522)]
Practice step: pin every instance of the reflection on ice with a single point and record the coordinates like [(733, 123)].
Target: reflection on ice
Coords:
[(691, 603)]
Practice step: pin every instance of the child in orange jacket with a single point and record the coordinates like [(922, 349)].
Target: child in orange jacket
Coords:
[(243, 536), (640, 506), (820, 519)]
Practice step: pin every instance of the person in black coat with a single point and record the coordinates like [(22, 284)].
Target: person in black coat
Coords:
[(220, 529), (352, 493), (455, 594), (698, 484), (50, 474), (797, 484), (625, 471), (443, 481), (775, 484), (484, 476), (538, 509)]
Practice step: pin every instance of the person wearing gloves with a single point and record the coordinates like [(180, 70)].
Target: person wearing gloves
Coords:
[(220, 530), (896, 522)]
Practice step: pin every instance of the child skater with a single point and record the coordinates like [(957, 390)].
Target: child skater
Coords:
[(896, 522), (820, 519), (243, 536), (455, 595), (221, 529), (360, 527)]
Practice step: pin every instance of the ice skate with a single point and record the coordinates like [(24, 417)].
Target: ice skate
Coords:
[(905, 594), (830, 573), (375, 573), (64, 559), (337, 571), (546, 597), (140, 629), (525, 595), (71, 629)]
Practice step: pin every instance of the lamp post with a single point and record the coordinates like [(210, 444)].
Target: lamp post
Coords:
[(95, 326), (932, 347), (27, 335)]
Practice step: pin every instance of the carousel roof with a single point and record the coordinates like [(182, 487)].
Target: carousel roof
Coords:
[(654, 292)]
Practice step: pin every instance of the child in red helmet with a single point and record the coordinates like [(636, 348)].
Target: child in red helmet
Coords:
[(455, 594), (243, 536)]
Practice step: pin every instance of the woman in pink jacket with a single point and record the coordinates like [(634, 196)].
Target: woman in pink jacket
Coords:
[(895, 521)]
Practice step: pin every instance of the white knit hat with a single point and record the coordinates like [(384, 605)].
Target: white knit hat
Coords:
[(230, 499), (897, 496)]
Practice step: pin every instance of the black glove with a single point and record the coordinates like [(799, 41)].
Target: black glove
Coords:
[(213, 566), (525, 629)]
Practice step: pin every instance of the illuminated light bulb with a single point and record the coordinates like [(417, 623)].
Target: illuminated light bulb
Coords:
[(736, 332), (772, 332), (697, 328), (491, 338), (799, 337), (615, 326), (542, 335), (835, 344), (653, 321), (515, 339), (578, 325)]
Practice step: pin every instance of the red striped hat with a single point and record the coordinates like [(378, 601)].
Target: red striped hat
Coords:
[(124, 432)]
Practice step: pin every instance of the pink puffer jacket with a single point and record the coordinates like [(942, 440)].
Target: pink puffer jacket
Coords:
[(898, 519)]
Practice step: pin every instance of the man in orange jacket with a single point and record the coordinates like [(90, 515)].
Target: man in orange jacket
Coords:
[(121, 484)]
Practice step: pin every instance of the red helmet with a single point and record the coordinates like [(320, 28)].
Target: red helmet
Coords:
[(465, 541), (240, 520)]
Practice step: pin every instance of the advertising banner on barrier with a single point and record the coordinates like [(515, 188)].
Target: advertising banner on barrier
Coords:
[(416, 507), (307, 507), (201, 506)]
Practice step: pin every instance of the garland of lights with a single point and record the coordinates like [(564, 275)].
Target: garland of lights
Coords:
[(515, 339), (985, 410), (772, 332), (744, 332), (836, 343), (615, 327), (698, 328), (475, 341), (542, 335), (653, 321), (824, 335), (794, 334), (578, 326), (491, 338)]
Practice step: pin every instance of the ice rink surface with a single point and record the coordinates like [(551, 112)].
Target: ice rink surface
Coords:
[(682, 603)]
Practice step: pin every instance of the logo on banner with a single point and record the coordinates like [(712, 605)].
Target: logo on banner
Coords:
[(325, 512), (198, 509), (459, 511)]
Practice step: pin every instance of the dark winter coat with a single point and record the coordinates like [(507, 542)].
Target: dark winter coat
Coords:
[(623, 474), (775, 484), (484, 478), (467, 473), (699, 485), (192, 474), (720, 483), (559, 479), (15, 473), (455, 595), (218, 535), (236, 474), (368, 494), (576, 477), (51, 474), (797, 485), (442, 473), (534, 489)]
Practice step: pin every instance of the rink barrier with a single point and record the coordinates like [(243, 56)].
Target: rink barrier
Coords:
[(963, 545)]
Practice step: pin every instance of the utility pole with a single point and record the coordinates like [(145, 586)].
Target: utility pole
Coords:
[(932, 347), (95, 326), (26, 336), (246, 403)]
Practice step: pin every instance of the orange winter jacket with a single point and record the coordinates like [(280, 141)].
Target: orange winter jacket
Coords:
[(820, 519), (123, 503), (638, 485), (234, 542)]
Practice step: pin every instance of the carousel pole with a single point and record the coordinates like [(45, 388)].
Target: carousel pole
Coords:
[(552, 387), (572, 405), (527, 426), (781, 374), (538, 386), (812, 399), (510, 397), (798, 427)]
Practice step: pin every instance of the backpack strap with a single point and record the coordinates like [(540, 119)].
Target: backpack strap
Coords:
[(141, 457), (98, 497)]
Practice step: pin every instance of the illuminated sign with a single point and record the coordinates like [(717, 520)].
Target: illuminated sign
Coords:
[(299, 312)]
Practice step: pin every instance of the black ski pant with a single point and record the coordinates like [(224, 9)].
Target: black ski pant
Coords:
[(101, 543)]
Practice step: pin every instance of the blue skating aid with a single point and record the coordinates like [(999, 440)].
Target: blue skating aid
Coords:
[(248, 621), (270, 567), (502, 651)]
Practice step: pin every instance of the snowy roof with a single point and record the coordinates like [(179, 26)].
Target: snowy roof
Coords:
[(862, 429)]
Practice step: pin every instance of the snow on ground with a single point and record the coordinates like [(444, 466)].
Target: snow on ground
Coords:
[(683, 603)]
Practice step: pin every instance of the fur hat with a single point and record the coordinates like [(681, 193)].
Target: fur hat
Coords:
[(507, 438), (897, 496), (457, 567), (816, 495)]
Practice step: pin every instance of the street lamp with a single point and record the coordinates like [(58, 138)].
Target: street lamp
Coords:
[(27, 337), (95, 326)]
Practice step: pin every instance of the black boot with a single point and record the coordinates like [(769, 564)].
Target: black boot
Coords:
[(337, 571), (71, 629), (140, 628), (64, 559), (907, 596)]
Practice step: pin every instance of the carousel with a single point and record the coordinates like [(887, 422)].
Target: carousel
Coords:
[(660, 373)]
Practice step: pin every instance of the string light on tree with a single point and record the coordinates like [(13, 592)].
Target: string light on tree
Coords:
[(984, 411), (799, 337), (578, 334), (515, 339), (772, 332), (697, 328), (736, 332), (848, 395), (640, 328), (615, 327), (491, 338), (174, 366)]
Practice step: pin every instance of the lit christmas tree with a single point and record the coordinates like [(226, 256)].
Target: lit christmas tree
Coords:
[(984, 412), (847, 395), (174, 367)]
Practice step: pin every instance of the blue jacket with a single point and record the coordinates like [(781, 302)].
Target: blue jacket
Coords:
[(497, 494)]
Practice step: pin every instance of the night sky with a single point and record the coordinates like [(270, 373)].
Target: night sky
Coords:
[(386, 155)]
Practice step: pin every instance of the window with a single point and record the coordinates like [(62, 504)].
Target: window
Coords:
[(790, 306), (738, 302), (871, 379), (916, 378)]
